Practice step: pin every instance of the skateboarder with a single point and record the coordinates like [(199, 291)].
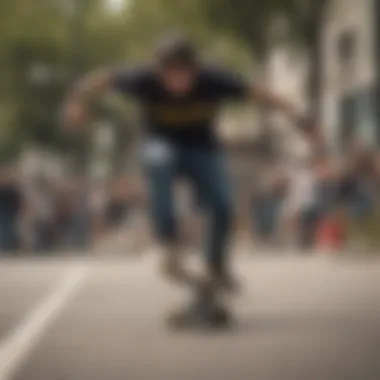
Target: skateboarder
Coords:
[(180, 95)]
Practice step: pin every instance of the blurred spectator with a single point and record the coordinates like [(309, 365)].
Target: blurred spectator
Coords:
[(72, 215), (327, 175), (266, 203), (117, 203), (98, 204), (42, 206), (359, 189), (64, 207), (301, 206), (80, 231), (10, 210)]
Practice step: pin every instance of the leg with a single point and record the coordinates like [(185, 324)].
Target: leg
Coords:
[(161, 170), (205, 312), (209, 174), (161, 204), (206, 171)]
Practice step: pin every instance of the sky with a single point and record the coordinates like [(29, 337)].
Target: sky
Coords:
[(116, 4)]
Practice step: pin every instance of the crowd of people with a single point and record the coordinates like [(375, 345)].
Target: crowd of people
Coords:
[(44, 216), (303, 203), (320, 200)]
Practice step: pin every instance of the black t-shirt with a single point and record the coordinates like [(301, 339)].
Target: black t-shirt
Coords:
[(188, 119)]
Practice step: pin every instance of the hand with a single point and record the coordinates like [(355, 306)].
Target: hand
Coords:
[(311, 130), (269, 99), (75, 116), (289, 109), (315, 135)]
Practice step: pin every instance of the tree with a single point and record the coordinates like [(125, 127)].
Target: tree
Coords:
[(261, 23), (44, 45), (253, 21), (258, 24), (147, 20)]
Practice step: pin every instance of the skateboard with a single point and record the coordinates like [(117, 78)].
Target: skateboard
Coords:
[(205, 311)]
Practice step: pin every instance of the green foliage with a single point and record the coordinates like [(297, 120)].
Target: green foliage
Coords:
[(45, 44), (262, 23), (148, 20), (250, 20)]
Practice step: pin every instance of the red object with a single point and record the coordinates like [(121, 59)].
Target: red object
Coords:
[(331, 235)]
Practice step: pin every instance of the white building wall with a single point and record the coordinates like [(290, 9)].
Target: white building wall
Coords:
[(355, 16), (287, 75)]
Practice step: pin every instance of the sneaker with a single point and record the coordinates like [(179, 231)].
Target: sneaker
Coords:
[(199, 315), (227, 282), (173, 269)]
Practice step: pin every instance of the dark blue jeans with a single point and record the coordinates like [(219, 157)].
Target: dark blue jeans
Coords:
[(204, 168)]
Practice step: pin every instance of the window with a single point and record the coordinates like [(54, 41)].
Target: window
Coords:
[(348, 118), (346, 47)]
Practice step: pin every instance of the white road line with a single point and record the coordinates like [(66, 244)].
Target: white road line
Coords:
[(20, 340)]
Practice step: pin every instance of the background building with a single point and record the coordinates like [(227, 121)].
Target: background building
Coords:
[(351, 49)]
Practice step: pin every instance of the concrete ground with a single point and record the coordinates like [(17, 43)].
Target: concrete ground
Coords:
[(298, 318)]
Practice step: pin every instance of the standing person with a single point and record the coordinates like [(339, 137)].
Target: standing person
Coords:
[(266, 204), (358, 191), (80, 215), (10, 211), (98, 205), (302, 202), (181, 96), (43, 205), (62, 215)]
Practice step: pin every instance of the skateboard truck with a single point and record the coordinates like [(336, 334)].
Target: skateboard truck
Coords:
[(205, 311)]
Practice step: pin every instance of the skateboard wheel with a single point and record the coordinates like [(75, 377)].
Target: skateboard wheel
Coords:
[(189, 319)]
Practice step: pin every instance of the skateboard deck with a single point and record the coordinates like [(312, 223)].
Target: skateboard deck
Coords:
[(206, 310)]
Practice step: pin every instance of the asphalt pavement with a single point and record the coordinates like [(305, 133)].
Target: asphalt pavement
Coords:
[(298, 318)]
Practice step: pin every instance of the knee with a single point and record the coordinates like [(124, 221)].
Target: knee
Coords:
[(164, 225), (222, 210)]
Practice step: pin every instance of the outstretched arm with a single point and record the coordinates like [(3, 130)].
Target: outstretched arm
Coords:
[(269, 99), (92, 85), (86, 90), (306, 125)]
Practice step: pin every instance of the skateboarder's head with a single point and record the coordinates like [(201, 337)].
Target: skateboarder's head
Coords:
[(177, 63)]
